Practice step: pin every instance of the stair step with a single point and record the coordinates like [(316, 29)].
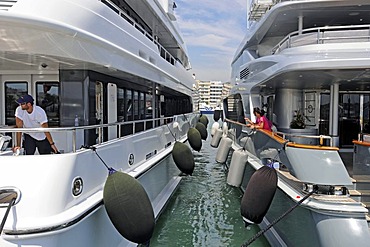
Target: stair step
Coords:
[(361, 179), (366, 204), (360, 183), (359, 192)]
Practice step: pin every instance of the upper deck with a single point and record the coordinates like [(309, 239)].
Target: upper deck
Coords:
[(285, 17)]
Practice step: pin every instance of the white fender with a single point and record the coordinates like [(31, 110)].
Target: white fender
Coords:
[(223, 149), (216, 138), (236, 169), (225, 129), (215, 126)]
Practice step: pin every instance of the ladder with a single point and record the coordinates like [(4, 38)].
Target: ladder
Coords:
[(259, 7)]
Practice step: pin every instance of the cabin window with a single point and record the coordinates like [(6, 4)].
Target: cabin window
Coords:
[(142, 105), (148, 110), (47, 97), (136, 105), (366, 114), (148, 106), (13, 90), (128, 105), (121, 106)]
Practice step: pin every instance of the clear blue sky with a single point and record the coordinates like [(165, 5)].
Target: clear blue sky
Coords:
[(213, 30)]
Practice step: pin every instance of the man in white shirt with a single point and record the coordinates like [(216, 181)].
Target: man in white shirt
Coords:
[(28, 115)]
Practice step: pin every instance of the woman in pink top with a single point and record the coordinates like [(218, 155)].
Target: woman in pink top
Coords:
[(262, 122)]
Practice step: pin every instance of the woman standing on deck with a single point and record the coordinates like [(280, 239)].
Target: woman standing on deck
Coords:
[(261, 120)]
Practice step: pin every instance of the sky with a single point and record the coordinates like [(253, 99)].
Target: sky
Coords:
[(212, 30)]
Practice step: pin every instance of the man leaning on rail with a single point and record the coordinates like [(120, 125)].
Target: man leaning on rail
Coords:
[(28, 115)]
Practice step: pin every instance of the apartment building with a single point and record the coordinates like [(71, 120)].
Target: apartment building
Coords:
[(209, 93)]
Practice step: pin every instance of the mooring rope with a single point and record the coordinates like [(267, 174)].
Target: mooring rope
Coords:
[(110, 169), (256, 236), (174, 136), (6, 214)]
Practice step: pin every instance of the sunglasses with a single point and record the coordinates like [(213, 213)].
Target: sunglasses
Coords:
[(23, 103)]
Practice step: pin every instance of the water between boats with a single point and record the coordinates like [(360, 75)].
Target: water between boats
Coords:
[(205, 210)]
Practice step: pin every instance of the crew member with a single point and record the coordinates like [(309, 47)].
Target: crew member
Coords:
[(28, 115)]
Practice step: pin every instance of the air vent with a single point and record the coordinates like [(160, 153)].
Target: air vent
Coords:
[(7, 4), (244, 73)]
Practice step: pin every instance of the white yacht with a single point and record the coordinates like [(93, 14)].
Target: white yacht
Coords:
[(306, 63), (113, 77)]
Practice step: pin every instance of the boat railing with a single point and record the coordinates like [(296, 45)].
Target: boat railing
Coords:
[(363, 137), (162, 51), (321, 138), (259, 7), (292, 137), (324, 35), (116, 127)]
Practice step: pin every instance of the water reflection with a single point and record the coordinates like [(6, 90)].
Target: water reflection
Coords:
[(204, 211)]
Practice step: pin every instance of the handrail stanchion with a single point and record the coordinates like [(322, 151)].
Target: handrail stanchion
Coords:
[(100, 130), (97, 127), (119, 130), (74, 140)]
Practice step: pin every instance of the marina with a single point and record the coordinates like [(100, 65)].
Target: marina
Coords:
[(102, 142), (205, 210)]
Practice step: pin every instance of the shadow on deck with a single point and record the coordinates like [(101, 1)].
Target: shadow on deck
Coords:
[(347, 158)]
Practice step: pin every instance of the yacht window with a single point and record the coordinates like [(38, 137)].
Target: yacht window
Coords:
[(47, 97), (366, 114), (142, 105), (136, 105), (148, 106), (121, 106), (13, 90), (129, 108)]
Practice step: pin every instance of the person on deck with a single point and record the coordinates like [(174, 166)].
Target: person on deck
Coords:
[(261, 120), (28, 115)]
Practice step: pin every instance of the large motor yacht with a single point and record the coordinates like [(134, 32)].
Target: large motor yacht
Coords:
[(113, 78), (306, 64)]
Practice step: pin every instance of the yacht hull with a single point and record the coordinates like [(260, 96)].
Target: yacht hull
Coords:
[(309, 226)]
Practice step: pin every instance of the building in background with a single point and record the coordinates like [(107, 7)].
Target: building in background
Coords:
[(209, 93)]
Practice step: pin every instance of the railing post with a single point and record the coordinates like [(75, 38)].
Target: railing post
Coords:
[(119, 130), (74, 140), (321, 140)]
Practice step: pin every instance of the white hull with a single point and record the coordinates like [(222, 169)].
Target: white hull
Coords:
[(308, 57), (49, 215), (119, 70)]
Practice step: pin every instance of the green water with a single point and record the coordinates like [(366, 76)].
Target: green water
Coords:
[(205, 210)]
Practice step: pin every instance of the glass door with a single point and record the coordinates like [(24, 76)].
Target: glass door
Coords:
[(349, 118), (366, 114), (350, 112)]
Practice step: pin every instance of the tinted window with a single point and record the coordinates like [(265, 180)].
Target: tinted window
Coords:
[(47, 97), (13, 90)]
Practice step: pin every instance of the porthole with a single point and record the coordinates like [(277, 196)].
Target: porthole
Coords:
[(77, 186)]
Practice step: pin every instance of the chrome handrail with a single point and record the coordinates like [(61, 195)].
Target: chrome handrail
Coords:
[(165, 54), (99, 127), (320, 137), (284, 135), (287, 41)]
